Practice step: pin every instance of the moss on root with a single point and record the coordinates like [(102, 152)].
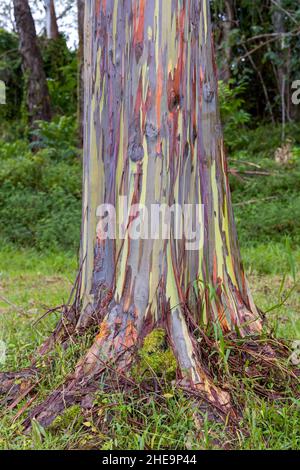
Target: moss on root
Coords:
[(69, 417), (155, 358)]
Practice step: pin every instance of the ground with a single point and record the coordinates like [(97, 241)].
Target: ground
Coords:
[(31, 282)]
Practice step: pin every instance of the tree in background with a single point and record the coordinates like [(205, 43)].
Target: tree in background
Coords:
[(80, 14), (258, 43), (11, 75), (225, 53), (51, 21), (37, 99)]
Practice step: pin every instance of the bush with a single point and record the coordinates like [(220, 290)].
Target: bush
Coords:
[(58, 137), (40, 194), (61, 67), (11, 74), (233, 117)]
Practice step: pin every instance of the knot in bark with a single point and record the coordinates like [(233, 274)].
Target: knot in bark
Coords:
[(208, 92)]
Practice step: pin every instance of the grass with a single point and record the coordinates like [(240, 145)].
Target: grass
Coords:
[(31, 282)]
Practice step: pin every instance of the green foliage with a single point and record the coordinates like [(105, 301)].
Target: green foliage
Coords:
[(267, 205), (63, 92), (10, 150), (61, 69), (260, 142), (11, 74), (257, 55), (58, 137), (40, 193), (234, 117)]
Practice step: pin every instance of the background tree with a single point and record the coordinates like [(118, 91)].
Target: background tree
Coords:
[(38, 100), (51, 21), (80, 13), (263, 41)]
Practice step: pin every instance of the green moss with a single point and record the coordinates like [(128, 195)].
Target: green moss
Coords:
[(70, 416), (155, 358)]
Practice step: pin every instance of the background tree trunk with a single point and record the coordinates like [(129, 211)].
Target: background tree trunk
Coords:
[(51, 20), (38, 100), (278, 19), (80, 10), (225, 73)]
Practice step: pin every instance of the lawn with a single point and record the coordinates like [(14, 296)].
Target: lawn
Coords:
[(31, 282)]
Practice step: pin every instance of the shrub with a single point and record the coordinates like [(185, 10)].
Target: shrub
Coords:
[(40, 194), (58, 137), (233, 117)]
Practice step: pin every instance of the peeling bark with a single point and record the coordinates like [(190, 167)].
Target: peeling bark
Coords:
[(152, 133)]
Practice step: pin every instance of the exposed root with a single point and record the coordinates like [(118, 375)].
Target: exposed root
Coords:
[(70, 393), (17, 384), (204, 372), (194, 372), (110, 357), (67, 324), (76, 321), (63, 332), (113, 347), (265, 363)]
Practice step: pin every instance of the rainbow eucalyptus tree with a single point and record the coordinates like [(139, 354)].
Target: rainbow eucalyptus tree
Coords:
[(38, 99), (152, 135)]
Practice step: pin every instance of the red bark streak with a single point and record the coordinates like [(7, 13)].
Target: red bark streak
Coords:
[(139, 98), (103, 333), (140, 24), (159, 92), (215, 270)]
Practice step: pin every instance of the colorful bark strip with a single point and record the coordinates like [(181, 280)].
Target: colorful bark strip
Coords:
[(152, 133)]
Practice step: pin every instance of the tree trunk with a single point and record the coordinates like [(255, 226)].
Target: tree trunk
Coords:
[(152, 133), (51, 21), (80, 11), (38, 100), (278, 19), (225, 73)]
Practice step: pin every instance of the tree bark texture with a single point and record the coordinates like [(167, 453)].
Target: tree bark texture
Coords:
[(153, 134)]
